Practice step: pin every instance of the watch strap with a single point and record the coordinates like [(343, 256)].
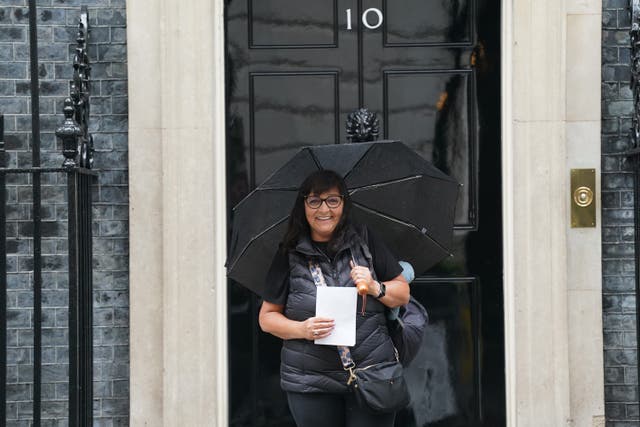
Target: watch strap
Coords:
[(383, 290)]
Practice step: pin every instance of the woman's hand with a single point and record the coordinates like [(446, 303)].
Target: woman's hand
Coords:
[(317, 327), (397, 292), (273, 321), (361, 276)]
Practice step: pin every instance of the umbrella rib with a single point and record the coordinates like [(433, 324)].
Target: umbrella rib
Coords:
[(315, 159), (254, 238), (384, 183), (399, 221), (398, 180), (358, 162), (260, 189)]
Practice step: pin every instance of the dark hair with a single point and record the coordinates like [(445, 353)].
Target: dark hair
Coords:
[(318, 182)]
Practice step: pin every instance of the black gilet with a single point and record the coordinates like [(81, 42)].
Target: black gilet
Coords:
[(309, 368)]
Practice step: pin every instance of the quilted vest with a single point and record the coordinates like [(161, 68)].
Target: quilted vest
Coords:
[(309, 368)]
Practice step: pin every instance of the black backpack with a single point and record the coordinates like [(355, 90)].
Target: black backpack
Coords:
[(407, 330)]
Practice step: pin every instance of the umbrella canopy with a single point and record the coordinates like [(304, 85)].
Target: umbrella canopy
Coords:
[(403, 198)]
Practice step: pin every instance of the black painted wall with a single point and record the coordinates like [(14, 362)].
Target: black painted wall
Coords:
[(618, 266)]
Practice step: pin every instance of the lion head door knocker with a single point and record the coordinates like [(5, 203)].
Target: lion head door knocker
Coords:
[(362, 126)]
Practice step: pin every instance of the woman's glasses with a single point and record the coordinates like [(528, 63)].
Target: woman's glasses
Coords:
[(314, 202)]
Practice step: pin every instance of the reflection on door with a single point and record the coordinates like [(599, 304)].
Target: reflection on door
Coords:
[(430, 70)]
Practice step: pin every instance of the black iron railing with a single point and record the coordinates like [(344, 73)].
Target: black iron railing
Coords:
[(73, 179), (3, 285)]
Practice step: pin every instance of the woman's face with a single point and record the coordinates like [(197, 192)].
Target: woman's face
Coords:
[(323, 220)]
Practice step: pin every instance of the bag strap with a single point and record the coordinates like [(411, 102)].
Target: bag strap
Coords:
[(343, 351)]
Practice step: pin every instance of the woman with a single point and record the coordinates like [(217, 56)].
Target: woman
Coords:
[(321, 230)]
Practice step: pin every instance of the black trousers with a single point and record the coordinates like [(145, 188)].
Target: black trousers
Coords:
[(334, 410)]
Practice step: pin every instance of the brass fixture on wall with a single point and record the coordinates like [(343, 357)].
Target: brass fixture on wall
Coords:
[(583, 206)]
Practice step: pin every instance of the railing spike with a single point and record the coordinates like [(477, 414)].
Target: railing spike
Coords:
[(79, 96)]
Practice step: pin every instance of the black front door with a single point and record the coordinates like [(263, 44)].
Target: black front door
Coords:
[(430, 70)]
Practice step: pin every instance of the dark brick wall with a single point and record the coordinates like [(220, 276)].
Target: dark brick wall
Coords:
[(619, 303), (57, 21)]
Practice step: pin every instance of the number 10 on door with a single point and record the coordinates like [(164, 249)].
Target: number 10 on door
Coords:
[(366, 17)]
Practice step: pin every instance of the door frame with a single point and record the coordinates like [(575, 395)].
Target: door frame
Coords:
[(178, 296)]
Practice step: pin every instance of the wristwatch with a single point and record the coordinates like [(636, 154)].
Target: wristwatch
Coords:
[(383, 290)]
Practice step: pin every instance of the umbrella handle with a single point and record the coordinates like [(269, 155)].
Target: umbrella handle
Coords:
[(362, 288)]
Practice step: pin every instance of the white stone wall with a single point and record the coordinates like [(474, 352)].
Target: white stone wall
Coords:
[(551, 119), (178, 297)]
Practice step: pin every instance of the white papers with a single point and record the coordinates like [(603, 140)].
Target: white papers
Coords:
[(339, 304)]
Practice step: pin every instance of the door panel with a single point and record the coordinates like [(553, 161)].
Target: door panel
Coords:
[(293, 23), (305, 103), (424, 86), (431, 73), (443, 379), (296, 46), (448, 22), (430, 112)]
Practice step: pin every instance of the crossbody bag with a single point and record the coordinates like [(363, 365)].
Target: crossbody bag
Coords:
[(380, 386)]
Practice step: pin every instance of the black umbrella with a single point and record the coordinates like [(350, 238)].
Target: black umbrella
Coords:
[(401, 197)]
